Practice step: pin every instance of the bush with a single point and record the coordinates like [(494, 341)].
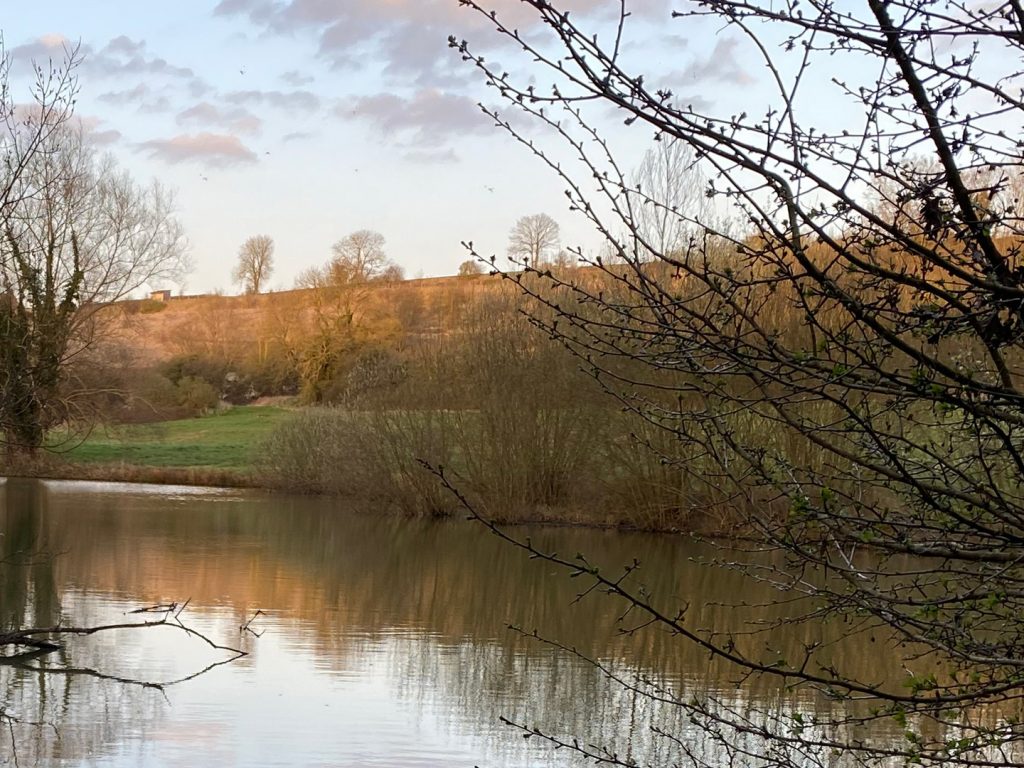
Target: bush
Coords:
[(210, 370), (369, 456), (197, 395)]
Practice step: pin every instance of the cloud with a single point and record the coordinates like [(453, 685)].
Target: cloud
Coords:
[(721, 66), (234, 119), (303, 101), (297, 136), (296, 79), (104, 138), (411, 56), (256, 10), (161, 104), (93, 132), (197, 88), (404, 36), (140, 96), (124, 56), (52, 46), (429, 118), (291, 15), (127, 96), (214, 149)]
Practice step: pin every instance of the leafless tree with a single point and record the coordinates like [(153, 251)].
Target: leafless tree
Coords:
[(311, 277), (78, 234), (393, 273), (470, 267), (255, 263), (75, 234), (844, 376), (668, 192), (533, 238), (358, 258)]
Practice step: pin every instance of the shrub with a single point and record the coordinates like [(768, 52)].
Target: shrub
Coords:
[(197, 395)]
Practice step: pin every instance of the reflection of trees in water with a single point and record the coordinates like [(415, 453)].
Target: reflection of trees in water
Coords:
[(71, 717), (46, 709), (79, 698), (28, 594), (471, 687), (436, 597), (380, 573)]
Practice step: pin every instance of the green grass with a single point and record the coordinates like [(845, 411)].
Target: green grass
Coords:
[(226, 440)]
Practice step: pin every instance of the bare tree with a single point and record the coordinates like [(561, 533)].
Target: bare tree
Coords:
[(533, 238), (311, 277), (358, 258), (78, 234), (845, 378), (255, 263), (75, 234), (668, 193), (470, 267), (392, 273)]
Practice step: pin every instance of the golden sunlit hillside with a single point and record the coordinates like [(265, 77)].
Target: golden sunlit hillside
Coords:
[(236, 328)]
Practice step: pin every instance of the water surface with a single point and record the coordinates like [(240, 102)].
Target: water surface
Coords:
[(385, 641)]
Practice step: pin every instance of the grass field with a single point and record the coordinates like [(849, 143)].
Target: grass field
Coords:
[(226, 440)]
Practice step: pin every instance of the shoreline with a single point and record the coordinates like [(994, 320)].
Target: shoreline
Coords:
[(206, 477)]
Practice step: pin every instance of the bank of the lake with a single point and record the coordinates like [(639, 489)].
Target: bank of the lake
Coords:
[(241, 447), (219, 449)]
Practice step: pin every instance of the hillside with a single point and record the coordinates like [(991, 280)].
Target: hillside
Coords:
[(234, 328)]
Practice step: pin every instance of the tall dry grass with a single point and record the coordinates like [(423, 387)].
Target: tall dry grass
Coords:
[(516, 421)]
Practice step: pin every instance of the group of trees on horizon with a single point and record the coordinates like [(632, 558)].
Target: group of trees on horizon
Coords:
[(360, 257)]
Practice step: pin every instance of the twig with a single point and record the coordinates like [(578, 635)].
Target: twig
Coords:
[(247, 628)]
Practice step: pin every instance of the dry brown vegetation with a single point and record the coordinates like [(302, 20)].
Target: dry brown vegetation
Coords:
[(451, 371), (454, 371), (239, 327)]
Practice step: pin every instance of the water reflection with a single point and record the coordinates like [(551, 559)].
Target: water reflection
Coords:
[(385, 641)]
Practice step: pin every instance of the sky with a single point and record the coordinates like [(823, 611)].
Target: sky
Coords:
[(306, 120)]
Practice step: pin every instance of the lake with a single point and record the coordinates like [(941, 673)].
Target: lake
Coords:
[(382, 641)]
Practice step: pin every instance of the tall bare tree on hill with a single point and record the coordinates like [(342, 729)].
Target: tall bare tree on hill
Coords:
[(842, 367), (358, 258), (669, 191), (255, 263), (533, 238)]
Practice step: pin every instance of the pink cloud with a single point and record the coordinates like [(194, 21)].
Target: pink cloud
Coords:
[(410, 36), (233, 119), (215, 149), (53, 46)]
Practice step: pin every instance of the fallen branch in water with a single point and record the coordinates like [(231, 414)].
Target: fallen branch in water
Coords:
[(247, 627), (41, 641)]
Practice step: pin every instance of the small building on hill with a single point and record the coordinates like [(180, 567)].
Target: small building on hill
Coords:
[(160, 295)]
